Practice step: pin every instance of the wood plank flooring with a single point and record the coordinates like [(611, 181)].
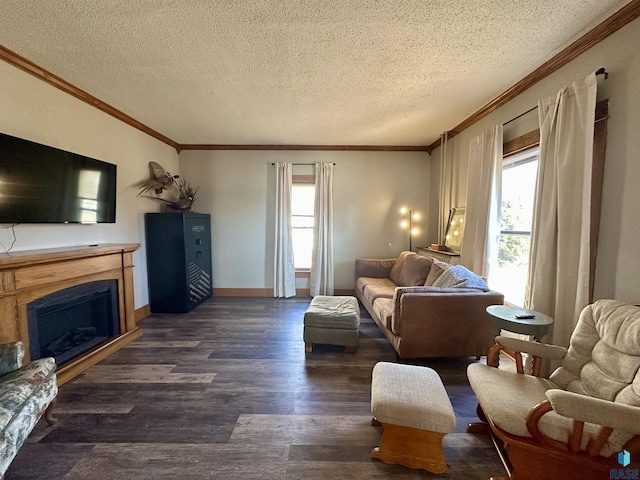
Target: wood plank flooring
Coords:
[(225, 392)]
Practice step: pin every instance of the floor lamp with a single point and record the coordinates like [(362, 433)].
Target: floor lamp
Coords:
[(408, 223)]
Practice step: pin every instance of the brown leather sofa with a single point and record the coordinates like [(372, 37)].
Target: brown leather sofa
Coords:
[(419, 318)]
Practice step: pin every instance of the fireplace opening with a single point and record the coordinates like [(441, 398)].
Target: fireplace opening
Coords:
[(73, 321)]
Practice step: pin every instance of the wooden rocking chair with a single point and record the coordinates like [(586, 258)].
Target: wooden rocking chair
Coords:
[(575, 423)]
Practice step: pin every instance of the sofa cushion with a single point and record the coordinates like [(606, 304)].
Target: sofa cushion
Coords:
[(415, 270), (459, 276), (362, 282), (374, 267), (373, 291), (396, 270), (383, 308), (518, 395), (333, 312), (603, 360), (437, 268)]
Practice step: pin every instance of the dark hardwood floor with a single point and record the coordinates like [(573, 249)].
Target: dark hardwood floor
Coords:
[(225, 392)]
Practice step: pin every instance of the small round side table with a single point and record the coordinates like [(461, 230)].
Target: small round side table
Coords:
[(511, 319)]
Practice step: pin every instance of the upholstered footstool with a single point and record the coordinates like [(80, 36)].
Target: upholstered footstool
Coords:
[(333, 321), (413, 408)]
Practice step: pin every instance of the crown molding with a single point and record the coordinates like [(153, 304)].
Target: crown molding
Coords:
[(354, 148), (31, 68), (622, 17), (615, 22)]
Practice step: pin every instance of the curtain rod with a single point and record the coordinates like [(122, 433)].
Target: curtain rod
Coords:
[(600, 71), (303, 163), (521, 115)]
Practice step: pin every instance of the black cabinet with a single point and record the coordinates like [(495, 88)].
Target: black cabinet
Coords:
[(178, 260)]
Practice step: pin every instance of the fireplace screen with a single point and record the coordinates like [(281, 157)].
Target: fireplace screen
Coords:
[(69, 323)]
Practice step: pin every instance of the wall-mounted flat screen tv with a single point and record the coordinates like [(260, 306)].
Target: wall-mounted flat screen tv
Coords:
[(41, 184)]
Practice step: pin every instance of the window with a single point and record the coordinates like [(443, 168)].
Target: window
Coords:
[(509, 276), (302, 219)]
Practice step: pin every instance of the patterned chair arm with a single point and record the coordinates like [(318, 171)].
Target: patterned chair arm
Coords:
[(11, 355)]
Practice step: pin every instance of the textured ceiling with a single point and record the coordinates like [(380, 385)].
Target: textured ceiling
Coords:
[(320, 72)]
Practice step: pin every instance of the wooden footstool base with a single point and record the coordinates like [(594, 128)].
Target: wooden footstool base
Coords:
[(411, 405), (411, 447)]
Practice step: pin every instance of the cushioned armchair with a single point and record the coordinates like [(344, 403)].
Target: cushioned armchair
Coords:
[(573, 424), (26, 394)]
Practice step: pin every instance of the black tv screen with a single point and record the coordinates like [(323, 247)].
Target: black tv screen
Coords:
[(41, 184)]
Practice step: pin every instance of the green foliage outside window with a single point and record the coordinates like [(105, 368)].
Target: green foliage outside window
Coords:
[(513, 249)]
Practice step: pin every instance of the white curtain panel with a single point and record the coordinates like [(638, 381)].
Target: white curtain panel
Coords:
[(446, 188), (558, 283), (321, 279), (484, 190), (284, 272)]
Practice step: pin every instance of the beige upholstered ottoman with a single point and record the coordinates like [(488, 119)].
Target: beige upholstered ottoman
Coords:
[(413, 408), (332, 320)]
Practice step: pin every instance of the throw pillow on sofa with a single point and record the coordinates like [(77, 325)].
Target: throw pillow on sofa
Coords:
[(459, 276), (437, 268), (396, 270), (415, 270)]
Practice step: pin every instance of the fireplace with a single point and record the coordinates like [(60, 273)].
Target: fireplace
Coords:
[(81, 284), (68, 323)]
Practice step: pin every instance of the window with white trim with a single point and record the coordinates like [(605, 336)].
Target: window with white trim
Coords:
[(302, 220), (509, 275)]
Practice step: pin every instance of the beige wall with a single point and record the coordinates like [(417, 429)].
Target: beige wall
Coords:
[(36, 111), (618, 265), (237, 188), (370, 187)]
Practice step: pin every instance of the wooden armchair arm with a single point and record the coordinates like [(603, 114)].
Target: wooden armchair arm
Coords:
[(595, 410), (542, 350), (581, 408), (537, 350)]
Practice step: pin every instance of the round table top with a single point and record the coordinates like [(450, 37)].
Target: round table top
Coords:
[(506, 315)]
